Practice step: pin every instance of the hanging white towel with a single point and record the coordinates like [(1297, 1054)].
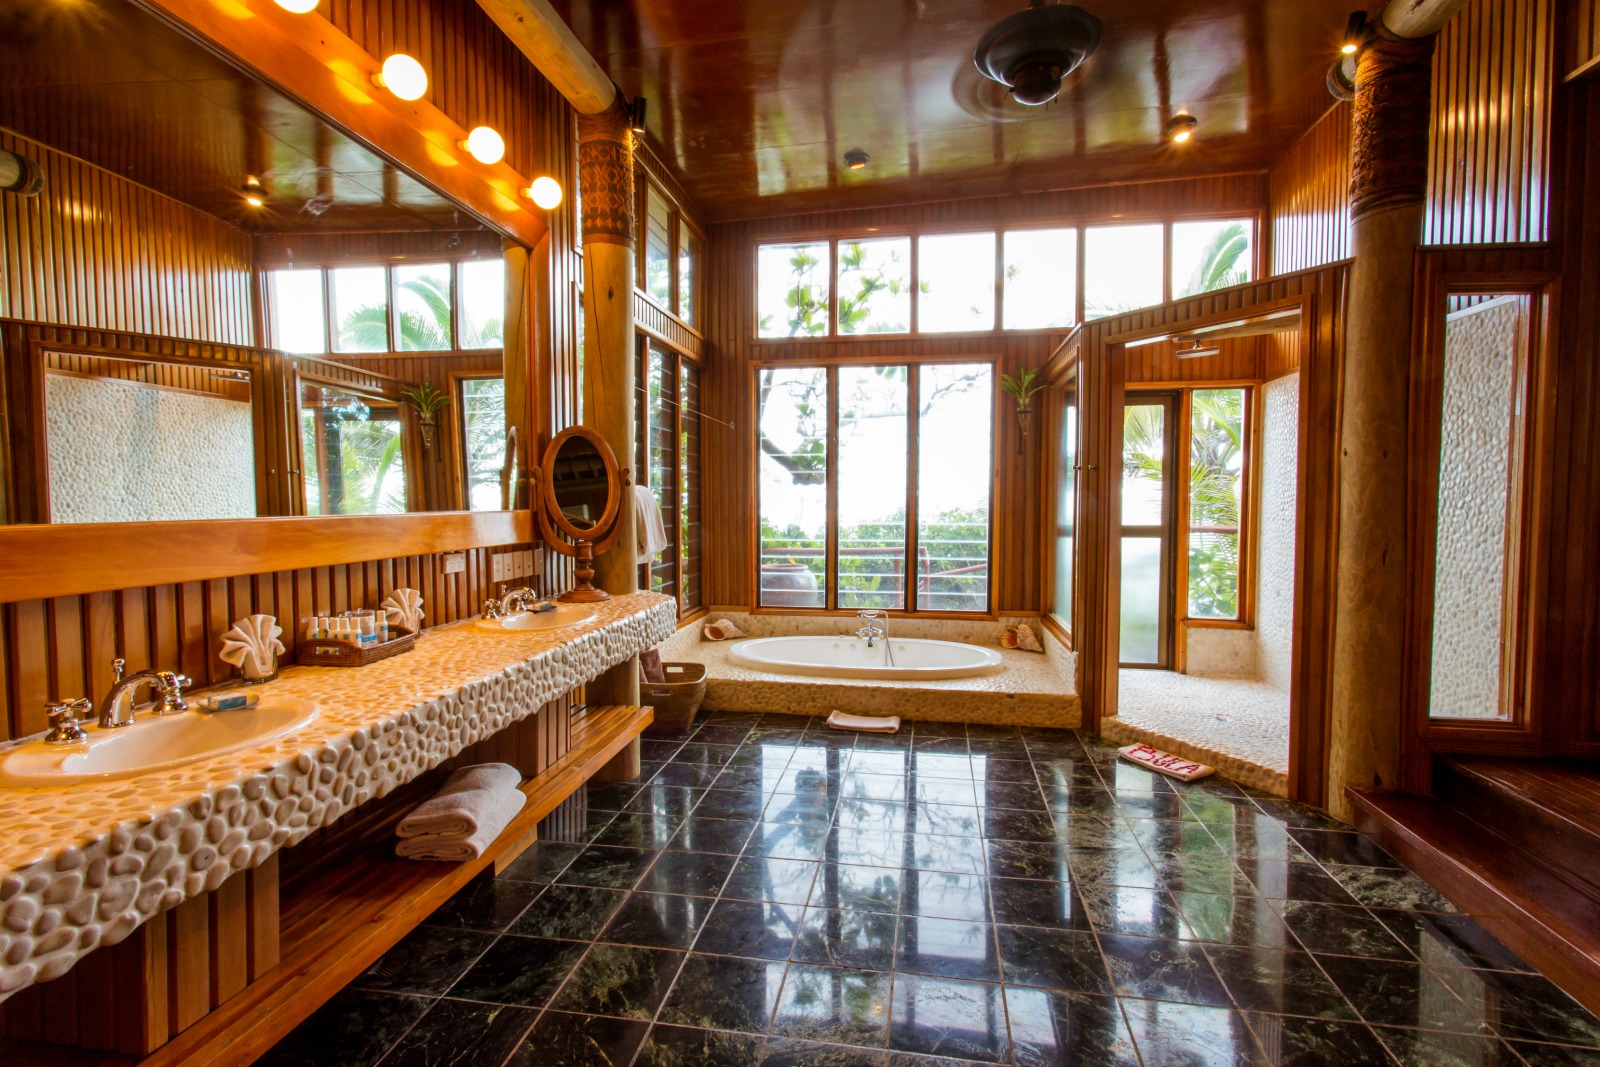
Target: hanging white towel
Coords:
[(647, 521)]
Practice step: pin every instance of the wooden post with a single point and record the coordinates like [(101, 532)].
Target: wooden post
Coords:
[(1388, 188), (605, 173)]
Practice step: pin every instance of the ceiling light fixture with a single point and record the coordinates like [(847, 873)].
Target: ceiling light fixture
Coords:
[(402, 76), (1355, 33), (1197, 351), (299, 7), (545, 192), (485, 145), (20, 175), (1031, 51), (637, 109), (253, 193), (855, 159), (1181, 127)]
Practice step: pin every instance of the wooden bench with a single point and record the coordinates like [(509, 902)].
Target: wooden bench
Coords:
[(335, 926)]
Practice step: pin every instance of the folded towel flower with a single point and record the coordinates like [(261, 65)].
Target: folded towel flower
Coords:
[(720, 631), (469, 796), (451, 848)]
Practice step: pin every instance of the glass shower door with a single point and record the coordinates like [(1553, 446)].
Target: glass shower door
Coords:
[(1148, 434)]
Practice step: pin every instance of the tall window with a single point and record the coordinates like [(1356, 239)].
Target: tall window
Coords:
[(352, 451), (895, 512), (670, 255), (977, 282), (1216, 493), (482, 404), (669, 458), (1066, 506)]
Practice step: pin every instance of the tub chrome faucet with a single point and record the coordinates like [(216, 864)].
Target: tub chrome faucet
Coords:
[(877, 625), (169, 684)]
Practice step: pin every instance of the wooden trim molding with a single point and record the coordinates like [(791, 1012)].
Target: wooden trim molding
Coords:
[(38, 562)]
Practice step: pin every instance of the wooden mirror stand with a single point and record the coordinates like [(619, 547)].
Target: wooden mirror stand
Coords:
[(559, 472)]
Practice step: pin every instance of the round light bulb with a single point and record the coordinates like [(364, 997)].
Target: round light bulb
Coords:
[(403, 76), (1182, 135), (253, 199), (546, 192), (485, 145), (299, 7), (1350, 48)]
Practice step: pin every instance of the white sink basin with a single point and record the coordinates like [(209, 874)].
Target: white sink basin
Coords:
[(523, 621), (153, 743)]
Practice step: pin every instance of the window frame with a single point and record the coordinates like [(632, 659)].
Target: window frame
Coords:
[(643, 341), (410, 440), (831, 364), (646, 188), (1081, 224), (458, 380), (1249, 513)]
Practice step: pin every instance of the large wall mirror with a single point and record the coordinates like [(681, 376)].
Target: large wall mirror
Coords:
[(340, 347)]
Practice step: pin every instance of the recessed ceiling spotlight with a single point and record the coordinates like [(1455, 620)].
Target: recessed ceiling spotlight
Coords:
[(485, 145), (402, 76), (1031, 51), (253, 193), (855, 159), (545, 192), (1355, 32), (299, 7), (1181, 127)]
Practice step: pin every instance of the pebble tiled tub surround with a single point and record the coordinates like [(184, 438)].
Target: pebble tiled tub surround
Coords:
[(83, 866)]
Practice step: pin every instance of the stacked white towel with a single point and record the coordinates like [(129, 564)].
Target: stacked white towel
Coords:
[(464, 817)]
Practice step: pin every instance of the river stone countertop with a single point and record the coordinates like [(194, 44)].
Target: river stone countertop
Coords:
[(83, 865)]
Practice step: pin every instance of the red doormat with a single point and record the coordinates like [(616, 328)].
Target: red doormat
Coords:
[(1165, 762)]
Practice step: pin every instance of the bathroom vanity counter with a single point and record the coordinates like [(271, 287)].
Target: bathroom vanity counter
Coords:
[(83, 866)]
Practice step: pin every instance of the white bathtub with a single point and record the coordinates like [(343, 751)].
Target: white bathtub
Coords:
[(849, 657)]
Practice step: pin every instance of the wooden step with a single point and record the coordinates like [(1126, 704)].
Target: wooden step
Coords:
[(336, 926), (1550, 810), (1537, 914)]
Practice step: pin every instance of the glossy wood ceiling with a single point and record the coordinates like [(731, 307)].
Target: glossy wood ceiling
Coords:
[(107, 82), (754, 102)]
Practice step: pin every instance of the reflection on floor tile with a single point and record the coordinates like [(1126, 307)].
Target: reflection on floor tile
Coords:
[(774, 894)]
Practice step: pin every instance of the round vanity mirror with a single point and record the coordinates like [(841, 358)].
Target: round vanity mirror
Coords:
[(579, 498)]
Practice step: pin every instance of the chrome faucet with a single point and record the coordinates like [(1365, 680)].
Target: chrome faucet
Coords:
[(877, 625), (169, 684), (519, 599)]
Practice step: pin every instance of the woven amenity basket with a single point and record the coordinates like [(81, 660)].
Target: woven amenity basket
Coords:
[(677, 699)]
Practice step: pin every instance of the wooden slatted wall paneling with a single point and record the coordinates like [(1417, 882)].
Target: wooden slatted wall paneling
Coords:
[(1583, 38), (730, 318), (1104, 370), (1309, 196), (1489, 173), (1239, 361), (97, 251)]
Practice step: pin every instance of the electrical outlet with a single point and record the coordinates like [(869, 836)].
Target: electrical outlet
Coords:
[(497, 566), (538, 561), (455, 562), (524, 558)]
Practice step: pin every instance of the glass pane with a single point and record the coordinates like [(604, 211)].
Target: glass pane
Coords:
[(1480, 445), (481, 292), (1122, 269), (1210, 255), (1216, 483), (955, 282), (873, 429), (658, 248), (661, 457), (689, 483), (298, 324), (360, 309), (422, 294), (1067, 508), (874, 286), (792, 424), (954, 479), (690, 253), (1141, 600), (354, 459), (1143, 459), (483, 428), (1041, 279), (792, 290)]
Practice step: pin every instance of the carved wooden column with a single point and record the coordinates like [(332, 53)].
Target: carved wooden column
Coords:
[(605, 174), (1388, 188)]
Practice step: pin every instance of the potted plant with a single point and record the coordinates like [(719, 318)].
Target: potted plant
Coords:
[(427, 400), (1021, 388)]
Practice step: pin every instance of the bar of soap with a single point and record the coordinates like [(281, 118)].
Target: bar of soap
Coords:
[(544, 605), (231, 700)]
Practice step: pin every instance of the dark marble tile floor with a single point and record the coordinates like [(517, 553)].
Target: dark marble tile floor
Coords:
[(770, 893)]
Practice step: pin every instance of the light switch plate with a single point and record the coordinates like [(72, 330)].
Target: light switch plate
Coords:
[(497, 566), (455, 562)]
